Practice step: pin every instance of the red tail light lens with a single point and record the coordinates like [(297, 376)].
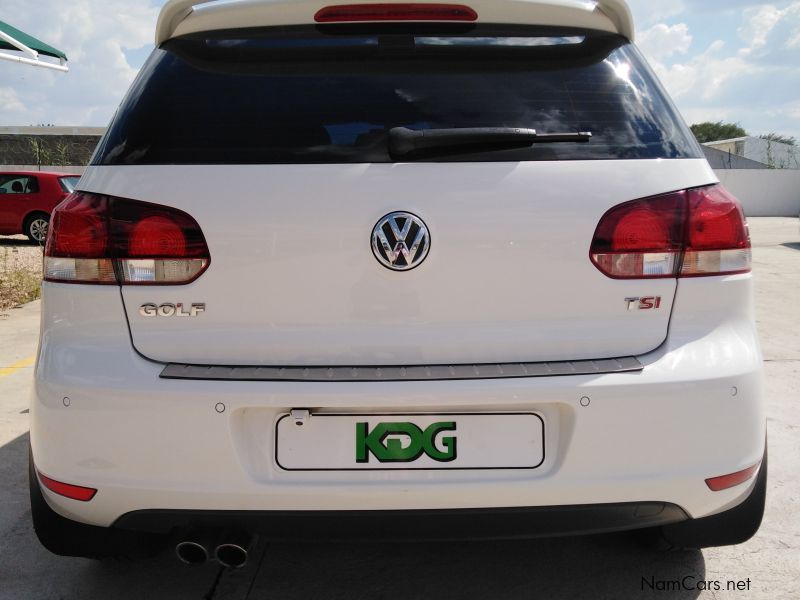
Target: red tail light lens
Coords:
[(717, 240), (691, 233), (156, 236), (83, 231), (77, 241), (641, 239), (100, 239), (354, 13)]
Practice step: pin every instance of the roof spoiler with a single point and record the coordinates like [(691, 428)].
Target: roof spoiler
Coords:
[(178, 17)]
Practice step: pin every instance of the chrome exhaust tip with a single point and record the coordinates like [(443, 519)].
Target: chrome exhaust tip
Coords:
[(232, 548), (231, 555), (191, 553)]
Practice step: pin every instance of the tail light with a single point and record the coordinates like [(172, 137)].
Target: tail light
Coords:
[(691, 233), (354, 13), (717, 240), (106, 240)]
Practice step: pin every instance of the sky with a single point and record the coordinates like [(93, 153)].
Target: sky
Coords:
[(732, 60)]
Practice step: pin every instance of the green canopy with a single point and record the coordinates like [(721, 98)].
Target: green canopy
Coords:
[(29, 41)]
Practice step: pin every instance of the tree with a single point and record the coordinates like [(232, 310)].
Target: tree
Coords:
[(780, 157), (783, 139), (713, 132), (40, 152), (61, 153)]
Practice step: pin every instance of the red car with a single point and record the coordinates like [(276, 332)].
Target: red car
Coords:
[(28, 197)]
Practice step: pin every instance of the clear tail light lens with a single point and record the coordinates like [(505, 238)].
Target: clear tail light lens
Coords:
[(691, 233), (106, 240)]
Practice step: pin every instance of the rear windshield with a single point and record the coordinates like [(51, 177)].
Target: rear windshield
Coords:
[(331, 95)]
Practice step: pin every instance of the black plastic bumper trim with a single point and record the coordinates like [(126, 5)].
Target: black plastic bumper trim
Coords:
[(403, 373), (482, 523)]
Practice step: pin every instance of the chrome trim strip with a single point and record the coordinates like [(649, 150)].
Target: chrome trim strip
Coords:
[(397, 373)]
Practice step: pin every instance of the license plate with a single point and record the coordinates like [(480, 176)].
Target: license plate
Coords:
[(331, 442)]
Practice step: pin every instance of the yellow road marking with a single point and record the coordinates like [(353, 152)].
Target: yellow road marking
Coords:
[(20, 364)]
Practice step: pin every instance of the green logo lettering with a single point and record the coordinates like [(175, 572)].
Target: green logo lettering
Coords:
[(404, 442), (449, 443)]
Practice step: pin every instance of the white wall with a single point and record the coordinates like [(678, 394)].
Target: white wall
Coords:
[(776, 155), (764, 193), (60, 169)]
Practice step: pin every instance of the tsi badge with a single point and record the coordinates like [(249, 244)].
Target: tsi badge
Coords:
[(646, 303), (404, 442), (172, 310)]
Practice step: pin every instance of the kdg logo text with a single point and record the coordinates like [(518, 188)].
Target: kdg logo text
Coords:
[(404, 442)]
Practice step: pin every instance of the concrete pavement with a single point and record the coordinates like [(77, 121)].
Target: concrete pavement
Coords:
[(611, 566)]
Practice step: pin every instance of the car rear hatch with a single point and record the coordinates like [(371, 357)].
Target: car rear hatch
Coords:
[(277, 142)]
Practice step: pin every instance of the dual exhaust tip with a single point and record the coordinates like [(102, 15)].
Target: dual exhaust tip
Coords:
[(229, 550)]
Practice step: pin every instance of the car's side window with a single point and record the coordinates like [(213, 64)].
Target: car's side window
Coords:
[(18, 184)]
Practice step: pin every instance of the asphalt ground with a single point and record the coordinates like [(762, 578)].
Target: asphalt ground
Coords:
[(610, 566)]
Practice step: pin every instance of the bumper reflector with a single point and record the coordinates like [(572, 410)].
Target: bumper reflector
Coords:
[(723, 482), (75, 492)]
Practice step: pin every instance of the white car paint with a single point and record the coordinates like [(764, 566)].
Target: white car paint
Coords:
[(285, 286), (694, 412), (293, 281)]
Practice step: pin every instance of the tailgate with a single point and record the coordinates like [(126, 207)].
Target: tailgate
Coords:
[(293, 279)]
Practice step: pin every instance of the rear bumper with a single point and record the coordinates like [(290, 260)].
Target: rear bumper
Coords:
[(405, 525), (148, 443)]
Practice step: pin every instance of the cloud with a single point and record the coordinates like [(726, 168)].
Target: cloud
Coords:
[(750, 74), (648, 12), (95, 34), (10, 101), (704, 76), (662, 41), (760, 21), (794, 41)]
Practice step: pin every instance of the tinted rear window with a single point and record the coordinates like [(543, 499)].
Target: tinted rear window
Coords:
[(306, 95)]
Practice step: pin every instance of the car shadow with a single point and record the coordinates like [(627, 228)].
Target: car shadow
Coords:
[(598, 567), (17, 241)]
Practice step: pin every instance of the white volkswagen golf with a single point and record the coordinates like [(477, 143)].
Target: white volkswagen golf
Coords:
[(395, 269)]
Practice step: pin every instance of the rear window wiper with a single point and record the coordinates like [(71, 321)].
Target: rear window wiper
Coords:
[(404, 141)]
